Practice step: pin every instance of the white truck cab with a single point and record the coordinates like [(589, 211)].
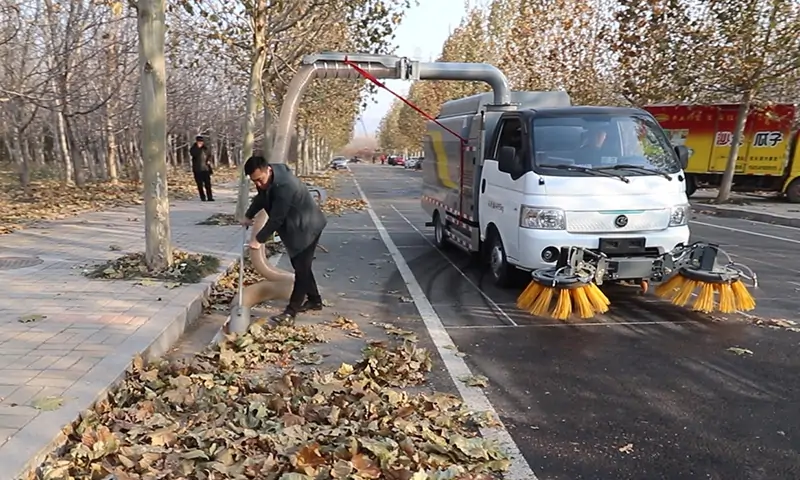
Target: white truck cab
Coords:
[(532, 183)]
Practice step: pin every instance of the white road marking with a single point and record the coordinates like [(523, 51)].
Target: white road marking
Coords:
[(739, 230), (766, 224), (566, 324), (473, 397), (463, 275)]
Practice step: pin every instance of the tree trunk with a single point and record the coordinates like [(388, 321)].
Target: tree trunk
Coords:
[(152, 33), (730, 168), (258, 57)]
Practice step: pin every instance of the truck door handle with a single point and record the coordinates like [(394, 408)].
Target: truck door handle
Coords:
[(483, 186)]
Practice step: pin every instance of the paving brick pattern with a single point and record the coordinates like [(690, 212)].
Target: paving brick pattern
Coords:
[(81, 334)]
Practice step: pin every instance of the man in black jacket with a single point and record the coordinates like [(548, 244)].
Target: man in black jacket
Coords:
[(297, 218), (201, 168)]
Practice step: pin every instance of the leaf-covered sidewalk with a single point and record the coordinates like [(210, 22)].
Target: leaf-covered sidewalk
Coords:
[(348, 393), (241, 410)]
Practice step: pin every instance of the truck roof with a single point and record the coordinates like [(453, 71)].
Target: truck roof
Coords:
[(585, 110), (475, 103)]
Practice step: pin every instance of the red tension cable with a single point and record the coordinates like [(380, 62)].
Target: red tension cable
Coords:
[(377, 82), (463, 140)]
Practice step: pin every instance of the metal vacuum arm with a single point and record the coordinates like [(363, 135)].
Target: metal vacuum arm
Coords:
[(331, 65)]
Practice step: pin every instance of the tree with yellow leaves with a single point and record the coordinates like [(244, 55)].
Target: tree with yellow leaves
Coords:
[(751, 50)]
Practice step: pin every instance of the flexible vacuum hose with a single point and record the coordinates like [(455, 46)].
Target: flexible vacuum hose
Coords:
[(277, 283)]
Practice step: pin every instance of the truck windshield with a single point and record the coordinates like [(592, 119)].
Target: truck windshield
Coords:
[(629, 145)]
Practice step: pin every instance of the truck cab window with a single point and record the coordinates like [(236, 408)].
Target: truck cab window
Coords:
[(511, 136)]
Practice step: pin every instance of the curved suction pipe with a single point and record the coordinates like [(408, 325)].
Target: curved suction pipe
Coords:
[(332, 65), (277, 283), (474, 72), (303, 77), (259, 257)]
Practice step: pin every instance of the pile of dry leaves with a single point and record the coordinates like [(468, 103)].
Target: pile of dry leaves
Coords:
[(49, 200), (340, 206), (221, 416), (186, 268), (221, 219)]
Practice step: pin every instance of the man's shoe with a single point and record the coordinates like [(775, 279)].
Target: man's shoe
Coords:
[(210, 199), (285, 319), (202, 199), (309, 306)]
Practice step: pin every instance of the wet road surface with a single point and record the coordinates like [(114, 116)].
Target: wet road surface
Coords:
[(648, 391)]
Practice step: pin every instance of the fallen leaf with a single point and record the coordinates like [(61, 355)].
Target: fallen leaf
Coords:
[(626, 448), (48, 404), (476, 381), (740, 351), (31, 318)]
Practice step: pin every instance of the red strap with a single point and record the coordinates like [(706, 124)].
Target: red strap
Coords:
[(377, 82)]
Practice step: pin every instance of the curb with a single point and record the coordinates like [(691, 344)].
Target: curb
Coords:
[(728, 212), (183, 310)]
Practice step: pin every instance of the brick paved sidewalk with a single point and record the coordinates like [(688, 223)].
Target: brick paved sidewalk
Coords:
[(91, 329)]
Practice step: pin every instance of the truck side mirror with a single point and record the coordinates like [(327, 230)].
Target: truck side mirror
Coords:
[(683, 155), (507, 160)]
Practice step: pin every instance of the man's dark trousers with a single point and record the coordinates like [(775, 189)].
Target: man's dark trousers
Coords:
[(203, 181), (305, 285)]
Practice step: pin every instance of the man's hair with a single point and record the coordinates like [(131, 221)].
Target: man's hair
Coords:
[(255, 163), (199, 138)]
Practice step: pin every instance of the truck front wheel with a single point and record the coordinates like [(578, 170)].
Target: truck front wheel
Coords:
[(793, 191), (691, 185), (502, 272)]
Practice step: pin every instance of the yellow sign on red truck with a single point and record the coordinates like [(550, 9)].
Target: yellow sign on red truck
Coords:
[(765, 154), (707, 130)]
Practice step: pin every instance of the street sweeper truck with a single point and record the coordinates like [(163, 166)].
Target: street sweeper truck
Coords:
[(576, 197)]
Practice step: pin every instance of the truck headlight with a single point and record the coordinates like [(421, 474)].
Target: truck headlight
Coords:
[(542, 218), (679, 216)]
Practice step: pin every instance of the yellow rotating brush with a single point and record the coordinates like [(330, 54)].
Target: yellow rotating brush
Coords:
[(717, 288), (550, 294)]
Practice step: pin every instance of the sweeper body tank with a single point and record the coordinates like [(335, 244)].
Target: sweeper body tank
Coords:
[(575, 195), (544, 175)]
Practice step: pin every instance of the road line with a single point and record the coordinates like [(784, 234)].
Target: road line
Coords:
[(463, 275), (565, 324), (739, 230), (767, 224), (473, 397)]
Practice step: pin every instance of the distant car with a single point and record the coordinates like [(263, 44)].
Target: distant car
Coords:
[(418, 166), (339, 163), (391, 159), (400, 161), (411, 162)]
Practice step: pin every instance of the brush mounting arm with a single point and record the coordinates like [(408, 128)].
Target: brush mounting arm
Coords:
[(703, 261)]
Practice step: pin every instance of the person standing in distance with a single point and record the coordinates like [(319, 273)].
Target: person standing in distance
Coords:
[(297, 218), (201, 168)]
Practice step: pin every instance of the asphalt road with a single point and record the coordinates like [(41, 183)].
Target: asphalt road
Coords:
[(648, 391)]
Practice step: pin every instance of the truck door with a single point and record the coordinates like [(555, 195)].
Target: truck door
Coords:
[(502, 191)]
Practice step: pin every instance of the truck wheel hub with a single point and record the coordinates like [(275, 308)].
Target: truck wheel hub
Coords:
[(496, 259)]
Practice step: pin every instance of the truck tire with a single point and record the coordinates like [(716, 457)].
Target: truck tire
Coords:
[(439, 236), (793, 191), (503, 274), (691, 185)]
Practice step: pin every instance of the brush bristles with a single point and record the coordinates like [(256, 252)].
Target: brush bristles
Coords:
[(743, 300), (730, 297), (586, 301)]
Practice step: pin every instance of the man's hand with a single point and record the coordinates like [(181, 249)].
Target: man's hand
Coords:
[(247, 222), (254, 244)]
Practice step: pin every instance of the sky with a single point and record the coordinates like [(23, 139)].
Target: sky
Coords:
[(420, 36)]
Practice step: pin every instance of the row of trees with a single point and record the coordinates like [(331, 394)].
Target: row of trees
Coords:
[(621, 52), (69, 84), (73, 73)]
